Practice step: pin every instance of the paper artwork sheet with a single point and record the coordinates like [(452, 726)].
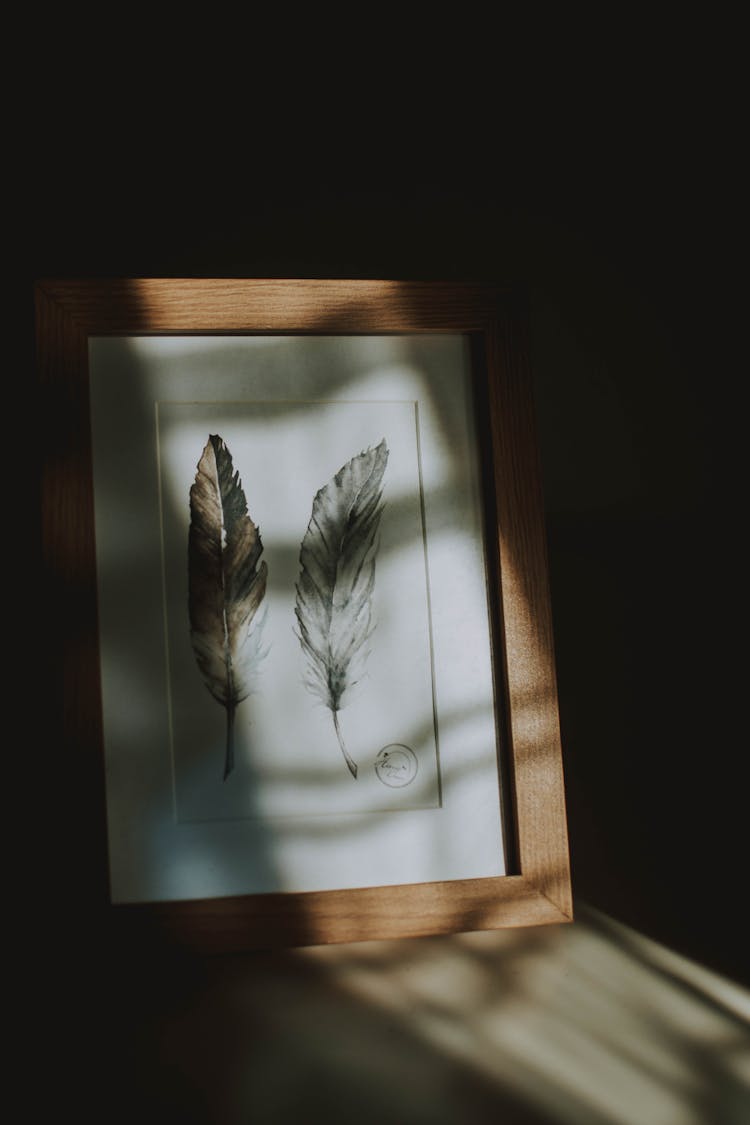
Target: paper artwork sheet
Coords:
[(376, 640), (296, 659)]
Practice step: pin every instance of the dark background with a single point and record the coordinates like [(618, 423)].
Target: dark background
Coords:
[(625, 238)]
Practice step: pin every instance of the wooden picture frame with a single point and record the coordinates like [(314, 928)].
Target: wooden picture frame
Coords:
[(536, 890)]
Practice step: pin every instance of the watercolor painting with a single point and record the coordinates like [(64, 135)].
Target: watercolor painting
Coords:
[(334, 592), (226, 584)]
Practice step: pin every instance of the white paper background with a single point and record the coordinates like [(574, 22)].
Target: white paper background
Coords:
[(295, 819), (287, 757)]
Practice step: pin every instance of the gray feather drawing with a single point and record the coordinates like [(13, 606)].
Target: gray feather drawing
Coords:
[(334, 591), (226, 584)]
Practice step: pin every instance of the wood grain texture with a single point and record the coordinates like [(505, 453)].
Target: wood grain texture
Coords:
[(272, 305), (73, 702), (361, 914), (535, 749), (68, 313)]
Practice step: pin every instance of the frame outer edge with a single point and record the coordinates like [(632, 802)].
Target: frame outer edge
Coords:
[(536, 747), (67, 312), (74, 712)]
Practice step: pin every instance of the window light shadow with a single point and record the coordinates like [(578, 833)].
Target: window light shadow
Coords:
[(578, 1024), (562, 1025)]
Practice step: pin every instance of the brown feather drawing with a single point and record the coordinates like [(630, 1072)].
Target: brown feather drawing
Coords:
[(226, 584)]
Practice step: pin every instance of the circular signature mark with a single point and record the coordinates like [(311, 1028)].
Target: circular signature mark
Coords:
[(396, 765)]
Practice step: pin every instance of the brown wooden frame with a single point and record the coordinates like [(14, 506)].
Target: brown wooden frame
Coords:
[(68, 312)]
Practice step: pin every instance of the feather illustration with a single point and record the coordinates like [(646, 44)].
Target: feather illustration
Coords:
[(334, 591), (226, 584)]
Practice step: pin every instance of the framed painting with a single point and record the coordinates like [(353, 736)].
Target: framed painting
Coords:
[(312, 646)]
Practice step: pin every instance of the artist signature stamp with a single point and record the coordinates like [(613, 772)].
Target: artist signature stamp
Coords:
[(396, 765)]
